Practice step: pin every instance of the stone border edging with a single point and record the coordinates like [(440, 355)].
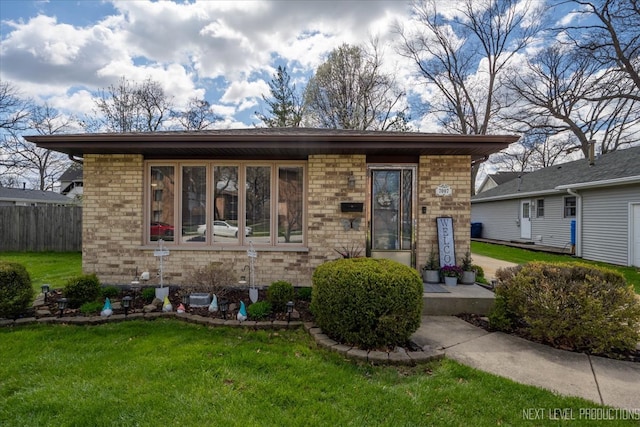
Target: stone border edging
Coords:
[(409, 358)]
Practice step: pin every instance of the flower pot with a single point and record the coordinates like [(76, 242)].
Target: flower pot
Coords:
[(450, 281), (431, 276), (468, 277)]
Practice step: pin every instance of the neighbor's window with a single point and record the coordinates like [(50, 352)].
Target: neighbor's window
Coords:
[(219, 203), (539, 208), (570, 207)]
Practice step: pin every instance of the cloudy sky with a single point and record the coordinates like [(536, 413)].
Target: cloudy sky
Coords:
[(62, 51)]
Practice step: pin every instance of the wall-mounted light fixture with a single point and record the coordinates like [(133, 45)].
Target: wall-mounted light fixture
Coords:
[(351, 181)]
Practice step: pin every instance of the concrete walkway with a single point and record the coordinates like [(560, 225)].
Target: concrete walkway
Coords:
[(490, 265), (601, 380)]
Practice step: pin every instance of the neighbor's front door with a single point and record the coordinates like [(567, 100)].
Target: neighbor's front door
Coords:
[(525, 219), (391, 213)]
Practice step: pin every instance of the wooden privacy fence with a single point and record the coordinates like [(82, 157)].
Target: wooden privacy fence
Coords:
[(40, 228)]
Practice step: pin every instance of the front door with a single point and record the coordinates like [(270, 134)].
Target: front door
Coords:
[(525, 219), (391, 213)]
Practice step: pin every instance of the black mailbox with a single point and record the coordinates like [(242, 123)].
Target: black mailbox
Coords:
[(351, 207)]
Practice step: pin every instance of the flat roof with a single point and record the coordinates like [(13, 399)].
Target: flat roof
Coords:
[(272, 143)]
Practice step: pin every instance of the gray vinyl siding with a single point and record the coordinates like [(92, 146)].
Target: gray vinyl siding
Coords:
[(605, 223), (552, 229), (499, 219)]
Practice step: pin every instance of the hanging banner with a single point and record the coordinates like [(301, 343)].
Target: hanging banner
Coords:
[(446, 243)]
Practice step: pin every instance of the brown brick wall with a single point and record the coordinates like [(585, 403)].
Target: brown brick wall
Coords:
[(113, 218)]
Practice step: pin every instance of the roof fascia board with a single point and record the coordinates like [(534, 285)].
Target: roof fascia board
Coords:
[(518, 196), (603, 183)]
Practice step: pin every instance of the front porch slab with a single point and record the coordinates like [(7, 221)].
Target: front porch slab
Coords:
[(458, 299)]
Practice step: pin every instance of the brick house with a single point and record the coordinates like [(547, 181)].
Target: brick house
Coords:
[(297, 195)]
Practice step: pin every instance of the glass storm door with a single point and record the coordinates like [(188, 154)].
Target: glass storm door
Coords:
[(391, 222)]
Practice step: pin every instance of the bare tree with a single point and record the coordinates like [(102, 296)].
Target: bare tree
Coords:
[(285, 104), (535, 150), (351, 91), (131, 107), (607, 33), (559, 92), (462, 55), (196, 116), (39, 166), (14, 109)]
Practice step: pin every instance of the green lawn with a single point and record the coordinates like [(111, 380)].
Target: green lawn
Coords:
[(521, 256), (167, 372), (53, 268)]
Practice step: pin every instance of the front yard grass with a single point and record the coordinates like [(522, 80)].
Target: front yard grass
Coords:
[(167, 372), (53, 268), (521, 256)]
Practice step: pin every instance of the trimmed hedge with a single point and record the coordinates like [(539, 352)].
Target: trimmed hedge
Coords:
[(568, 305), (16, 293), (367, 302)]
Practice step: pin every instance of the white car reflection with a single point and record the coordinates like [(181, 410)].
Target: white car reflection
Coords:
[(222, 228)]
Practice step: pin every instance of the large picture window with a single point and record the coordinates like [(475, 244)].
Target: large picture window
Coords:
[(226, 203)]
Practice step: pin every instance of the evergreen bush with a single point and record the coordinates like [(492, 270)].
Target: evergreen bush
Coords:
[(16, 293), (278, 294), (367, 302), (568, 305), (81, 289), (259, 310)]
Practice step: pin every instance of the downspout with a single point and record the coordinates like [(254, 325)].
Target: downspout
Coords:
[(578, 221)]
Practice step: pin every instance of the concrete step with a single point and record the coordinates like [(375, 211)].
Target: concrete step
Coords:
[(451, 300)]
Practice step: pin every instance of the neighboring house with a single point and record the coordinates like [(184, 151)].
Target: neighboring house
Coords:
[(71, 181), (498, 178), (23, 197), (601, 198), (297, 194)]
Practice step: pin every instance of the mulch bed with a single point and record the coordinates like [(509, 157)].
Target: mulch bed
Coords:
[(233, 296), (483, 322)]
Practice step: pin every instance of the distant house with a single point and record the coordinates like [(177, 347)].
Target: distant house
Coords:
[(590, 208), (290, 197), (23, 197), (71, 184), (498, 178)]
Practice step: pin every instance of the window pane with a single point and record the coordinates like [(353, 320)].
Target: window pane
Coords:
[(540, 208), (194, 202), (258, 203), (225, 204), (162, 204), (407, 208), (290, 205), (385, 218)]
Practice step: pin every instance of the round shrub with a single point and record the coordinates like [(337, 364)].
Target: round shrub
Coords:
[(278, 294), (259, 310), (81, 289), (16, 293), (568, 305), (110, 292), (367, 302), (304, 294)]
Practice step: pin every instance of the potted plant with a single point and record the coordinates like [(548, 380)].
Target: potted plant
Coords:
[(468, 272), (451, 274), (430, 272)]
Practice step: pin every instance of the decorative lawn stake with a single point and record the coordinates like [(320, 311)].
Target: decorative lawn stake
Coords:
[(106, 310), (242, 313), (167, 305), (213, 307), (253, 291)]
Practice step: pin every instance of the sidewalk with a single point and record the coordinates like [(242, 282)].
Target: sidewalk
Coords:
[(601, 380), (490, 265)]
